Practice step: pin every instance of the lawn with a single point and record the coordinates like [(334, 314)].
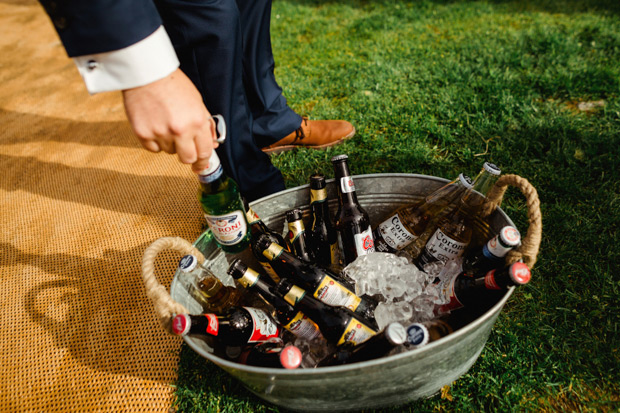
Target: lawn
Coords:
[(437, 88)]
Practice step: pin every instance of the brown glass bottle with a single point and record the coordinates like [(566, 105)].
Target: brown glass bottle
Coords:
[(272, 354), (479, 292), (292, 320), (320, 282), (491, 254), (205, 287), (408, 223), (454, 231), (338, 324), (377, 346), (238, 326), (352, 221), (258, 227), (323, 236), (297, 236)]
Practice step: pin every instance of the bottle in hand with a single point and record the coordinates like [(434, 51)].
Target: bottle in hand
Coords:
[(236, 327), (352, 221), (221, 202), (338, 325)]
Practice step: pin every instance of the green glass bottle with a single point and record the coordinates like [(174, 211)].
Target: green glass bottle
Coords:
[(221, 202)]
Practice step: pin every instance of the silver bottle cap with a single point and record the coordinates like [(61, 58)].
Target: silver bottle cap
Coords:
[(338, 158), (491, 168), (466, 181), (188, 263), (395, 333)]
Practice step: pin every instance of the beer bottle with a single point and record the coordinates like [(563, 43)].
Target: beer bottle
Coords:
[(298, 238), (289, 318), (258, 227), (205, 287), (272, 353), (454, 231), (237, 326), (323, 236), (420, 334), (409, 222), (337, 324), (221, 202), (377, 346), (352, 221), (320, 282), (478, 293), (491, 255)]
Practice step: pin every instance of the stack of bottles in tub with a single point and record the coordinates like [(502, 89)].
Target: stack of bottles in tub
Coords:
[(337, 291)]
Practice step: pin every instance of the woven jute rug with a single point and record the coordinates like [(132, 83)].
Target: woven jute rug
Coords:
[(80, 201)]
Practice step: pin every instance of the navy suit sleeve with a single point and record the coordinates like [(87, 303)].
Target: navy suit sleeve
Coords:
[(97, 26)]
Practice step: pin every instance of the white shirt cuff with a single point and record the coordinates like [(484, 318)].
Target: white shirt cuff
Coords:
[(144, 62)]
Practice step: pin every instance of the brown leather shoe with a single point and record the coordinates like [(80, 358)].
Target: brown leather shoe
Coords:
[(314, 134)]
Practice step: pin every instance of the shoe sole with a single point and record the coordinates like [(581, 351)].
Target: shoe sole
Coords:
[(285, 148)]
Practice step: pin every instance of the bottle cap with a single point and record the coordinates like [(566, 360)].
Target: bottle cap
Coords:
[(188, 263), (509, 236), (519, 273), (395, 333), (339, 158), (317, 181), (181, 324), (237, 268), (466, 181), (417, 335), (290, 357), (491, 168), (293, 215)]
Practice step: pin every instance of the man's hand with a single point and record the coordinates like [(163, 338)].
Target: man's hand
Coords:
[(169, 115)]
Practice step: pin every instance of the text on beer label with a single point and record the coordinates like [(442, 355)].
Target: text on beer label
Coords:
[(395, 234), (347, 185), (364, 243), (331, 292), (228, 229), (214, 325), (303, 327), (443, 248), (264, 327), (355, 332)]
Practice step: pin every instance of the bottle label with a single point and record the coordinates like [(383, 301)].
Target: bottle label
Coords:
[(270, 271), (229, 229), (318, 195), (364, 243), (394, 233), (264, 327), (249, 278), (496, 247), (355, 332), (347, 185), (446, 289), (252, 216), (214, 324), (331, 292), (295, 229), (303, 327), (273, 251), (489, 281), (334, 253), (443, 248)]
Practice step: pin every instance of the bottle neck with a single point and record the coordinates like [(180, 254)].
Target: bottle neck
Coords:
[(346, 187), (318, 203), (213, 176)]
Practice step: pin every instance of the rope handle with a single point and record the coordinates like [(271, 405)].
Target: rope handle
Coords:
[(165, 306), (530, 244)]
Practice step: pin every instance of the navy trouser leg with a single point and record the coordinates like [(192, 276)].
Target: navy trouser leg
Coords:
[(273, 119), (207, 37)]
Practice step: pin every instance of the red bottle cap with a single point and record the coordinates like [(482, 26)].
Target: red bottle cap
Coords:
[(290, 357), (520, 273), (180, 324)]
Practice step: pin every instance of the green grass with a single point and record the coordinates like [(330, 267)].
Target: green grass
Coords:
[(438, 87)]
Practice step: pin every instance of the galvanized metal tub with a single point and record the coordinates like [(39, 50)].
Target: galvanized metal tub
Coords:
[(383, 382)]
